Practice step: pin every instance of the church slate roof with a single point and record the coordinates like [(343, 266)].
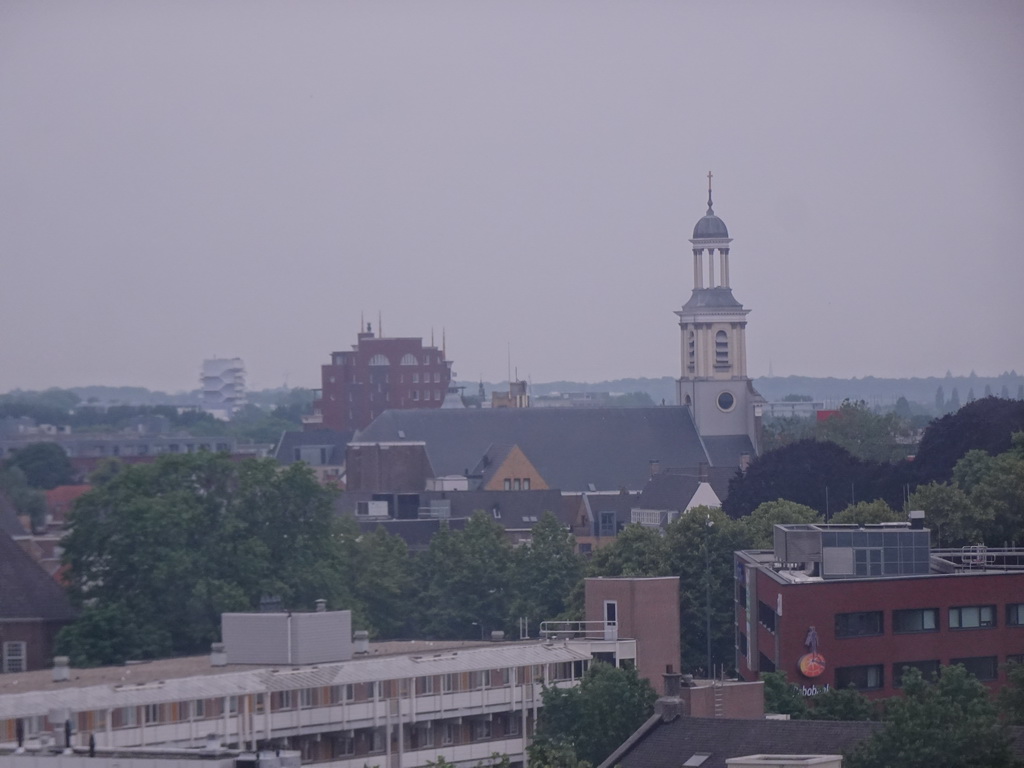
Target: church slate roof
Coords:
[(26, 590), (717, 298), (333, 440), (581, 449), (671, 744)]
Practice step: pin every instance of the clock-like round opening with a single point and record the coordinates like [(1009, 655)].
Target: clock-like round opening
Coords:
[(726, 401)]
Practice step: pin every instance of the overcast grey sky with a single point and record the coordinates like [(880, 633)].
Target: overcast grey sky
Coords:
[(180, 180)]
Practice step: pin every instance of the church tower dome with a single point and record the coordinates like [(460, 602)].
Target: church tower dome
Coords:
[(713, 381)]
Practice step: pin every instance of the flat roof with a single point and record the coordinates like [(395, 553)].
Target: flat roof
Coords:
[(166, 680)]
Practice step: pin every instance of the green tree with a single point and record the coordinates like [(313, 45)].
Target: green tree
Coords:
[(1011, 696), (45, 465), (867, 512), (867, 435), (781, 697), (700, 545), (951, 723), (160, 550), (26, 500), (588, 722), (636, 551), (545, 572), (954, 521), (841, 704), (384, 582), (760, 524), (465, 578)]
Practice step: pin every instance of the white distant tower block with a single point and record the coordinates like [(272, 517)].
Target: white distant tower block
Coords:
[(222, 386)]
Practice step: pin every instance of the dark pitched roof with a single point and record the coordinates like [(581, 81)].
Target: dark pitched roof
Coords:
[(26, 590), (516, 509), (669, 745), (669, 490), (334, 441), (725, 450), (572, 449)]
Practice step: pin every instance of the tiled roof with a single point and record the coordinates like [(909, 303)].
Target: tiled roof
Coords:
[(26, 590), (671, 744), (572, 449), (333, 440)]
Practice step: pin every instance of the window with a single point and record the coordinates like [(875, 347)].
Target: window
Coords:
[(415, 394), (691, 354), (726, 401), (765, 616), (513, 724), (764, 663), (152, 713), (305, 698), (972, 617), (607, 524), (377, 740), (481, 730), (915, 620), (448, 734), (14, 656), (199, 709), (866, 678), (408, 359), (1015, 658), (449, 683), (379, 360), (424, 735), (424, 685), (743, 644), (508, 484), (526, 483), (415, 378), (861, 624), (517, 485), (929, 670), (344, 745), (476, 680), (982, 667), (1015, 615), (721, 349)]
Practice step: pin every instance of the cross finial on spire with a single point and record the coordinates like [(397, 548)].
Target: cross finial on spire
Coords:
[(710, 212)]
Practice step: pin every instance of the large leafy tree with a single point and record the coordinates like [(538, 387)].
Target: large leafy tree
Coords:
[(760, 524), (985, 425), (869, 512), (865, 434), (700, 546), (384, 583), (45, 465), (588, 722), (545, 572), (158, 551), (464, 580), (636, 551), (953, 519), (818, 474), (951, 723)]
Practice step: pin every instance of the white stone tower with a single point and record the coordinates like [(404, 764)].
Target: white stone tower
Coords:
[(713, 380)]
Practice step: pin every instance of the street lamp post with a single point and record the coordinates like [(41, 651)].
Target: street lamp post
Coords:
[(707, 588)]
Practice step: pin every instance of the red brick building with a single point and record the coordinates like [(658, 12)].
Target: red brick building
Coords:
[(379, 374), (836, 605)]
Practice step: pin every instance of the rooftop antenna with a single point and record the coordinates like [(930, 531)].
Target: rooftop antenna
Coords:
[(431, 336), (508, 344), (362, 321), (380, 326)]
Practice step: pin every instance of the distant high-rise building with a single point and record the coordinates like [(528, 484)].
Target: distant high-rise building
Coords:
[(222, 386), (714, 383), (377, 375)]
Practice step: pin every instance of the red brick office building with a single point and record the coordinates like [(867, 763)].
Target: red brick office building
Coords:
[(836, 606), (378, 374)]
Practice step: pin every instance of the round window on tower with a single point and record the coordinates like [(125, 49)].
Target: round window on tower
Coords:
[(726, 401)]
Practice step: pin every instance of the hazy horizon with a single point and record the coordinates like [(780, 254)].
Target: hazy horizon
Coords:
[(189, 180)]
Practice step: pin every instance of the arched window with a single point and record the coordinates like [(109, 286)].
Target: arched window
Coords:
[(721, 348), (379, 360), (691, 352), (408, 359)]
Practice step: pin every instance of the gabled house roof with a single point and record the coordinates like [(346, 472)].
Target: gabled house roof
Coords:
[(332, 440), (598, 449), (26, 590), (660, 744)]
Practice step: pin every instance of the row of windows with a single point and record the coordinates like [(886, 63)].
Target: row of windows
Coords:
[(872, 676), (13, 655), (516, 484), (304, 698), (867, 623), (407, 359)]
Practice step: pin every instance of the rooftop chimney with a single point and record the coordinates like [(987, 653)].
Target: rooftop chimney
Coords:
[(361, 641), (61, 669), (321, 605), (917, 519), (218, 655)]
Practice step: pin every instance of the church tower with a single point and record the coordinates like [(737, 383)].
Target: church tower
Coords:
[(713, 380)]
